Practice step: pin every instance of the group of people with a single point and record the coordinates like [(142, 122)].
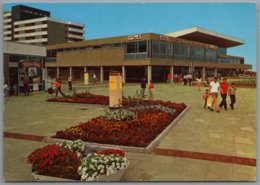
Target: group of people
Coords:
[(187, 79), (211, 95), (35, 87)]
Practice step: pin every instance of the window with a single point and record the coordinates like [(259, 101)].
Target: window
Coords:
[(142, 47), (211, 55), (136, 50), (181, 52), (197, 53), (222, 51), (162, 49)]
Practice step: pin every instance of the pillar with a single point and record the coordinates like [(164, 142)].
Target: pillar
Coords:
[(58, 71), (149, 74), (203, 73), (70, 71), (101, 74), (172, 71), (215, 72), (190, 69), (123, 74), (85, 69)]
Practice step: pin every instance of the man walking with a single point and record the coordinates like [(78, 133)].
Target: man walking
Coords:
[(143, 86), (223, 93)]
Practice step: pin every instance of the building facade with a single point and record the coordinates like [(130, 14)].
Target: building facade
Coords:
[(203, 53), (34, 26), (23, 59)]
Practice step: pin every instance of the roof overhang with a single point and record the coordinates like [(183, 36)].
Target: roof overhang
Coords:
[(206, 36)]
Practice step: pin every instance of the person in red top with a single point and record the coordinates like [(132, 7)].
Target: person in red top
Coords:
[(169, 78), (151, 86), (223, 92)]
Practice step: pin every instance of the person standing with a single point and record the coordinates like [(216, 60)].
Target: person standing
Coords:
[(36, 85), (199, 83), (26, 85), (179, 78), (176, 78), (185, 78), (6, 90), (223, 93), (189, 78), (232, 94), (151, 86), (169, 78), (143, 87), (214, 88), (205, 97), (70, 82), (94, 78)]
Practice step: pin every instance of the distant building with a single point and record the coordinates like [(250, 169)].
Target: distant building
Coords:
[(154, 56), (34, 26)]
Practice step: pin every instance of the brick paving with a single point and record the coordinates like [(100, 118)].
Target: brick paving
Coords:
[(203, 146)]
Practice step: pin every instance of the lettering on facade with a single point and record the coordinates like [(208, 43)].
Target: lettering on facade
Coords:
[(29, 63), (134, 37)]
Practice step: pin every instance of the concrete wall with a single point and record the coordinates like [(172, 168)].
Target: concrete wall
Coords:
[(56, 33), (23, 49)]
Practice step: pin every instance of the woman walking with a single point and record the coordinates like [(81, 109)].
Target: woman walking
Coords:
[(214, 88), (223, 93), (36, 85)]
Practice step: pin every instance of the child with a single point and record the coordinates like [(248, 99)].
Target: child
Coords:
[(206, 98), (199, 83), (6, 90), (232, 95), (15, 89)]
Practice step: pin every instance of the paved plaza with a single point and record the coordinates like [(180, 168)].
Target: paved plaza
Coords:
[(202, 146)]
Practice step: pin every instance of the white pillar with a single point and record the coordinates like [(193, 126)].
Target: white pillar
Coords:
[(123, 73), (215, 72), (190, 69), (149, 74), (101, 74), (85, 69), (58, 71), (172, 71), (203, 73), (70, 71)]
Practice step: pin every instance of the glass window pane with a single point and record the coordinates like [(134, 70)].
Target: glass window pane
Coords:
[(131, 47), (142, 46)]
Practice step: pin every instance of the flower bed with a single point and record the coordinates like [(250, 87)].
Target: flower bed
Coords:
[(71, 160), (85, 98), (139, 131)]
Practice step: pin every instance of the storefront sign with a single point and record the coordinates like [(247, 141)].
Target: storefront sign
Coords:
[(163, 37), (134, 37), (29, 63)]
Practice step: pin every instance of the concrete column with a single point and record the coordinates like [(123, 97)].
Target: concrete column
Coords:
[(58, 71), (172, 71), (149, 74), (123, 73), (203, 73), (70, 71), (215, 72), (85, 69), (101, 74), (190, 69)]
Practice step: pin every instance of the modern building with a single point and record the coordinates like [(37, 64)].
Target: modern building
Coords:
[(23, 59), (34, 26), (196, 50)]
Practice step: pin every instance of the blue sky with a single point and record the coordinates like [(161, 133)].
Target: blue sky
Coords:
[(116, 19)]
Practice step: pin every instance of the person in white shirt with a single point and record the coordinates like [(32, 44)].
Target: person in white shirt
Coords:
[(214, 89)]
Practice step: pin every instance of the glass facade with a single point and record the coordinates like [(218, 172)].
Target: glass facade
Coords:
[(181, 52), (197, 53), (211, 55), (222, 51), (162, 49), (136, 50)]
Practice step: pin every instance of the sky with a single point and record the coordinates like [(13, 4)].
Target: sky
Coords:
[(116, 19)]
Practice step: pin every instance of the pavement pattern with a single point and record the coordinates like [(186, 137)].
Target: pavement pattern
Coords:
[(202, 146)]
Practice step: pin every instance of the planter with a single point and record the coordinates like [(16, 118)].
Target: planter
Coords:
[(112, 177)]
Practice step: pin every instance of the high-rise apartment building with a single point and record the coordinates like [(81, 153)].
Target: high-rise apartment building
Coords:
[(34, 26)]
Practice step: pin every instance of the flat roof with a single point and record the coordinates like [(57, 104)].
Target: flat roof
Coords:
[(206, 36)]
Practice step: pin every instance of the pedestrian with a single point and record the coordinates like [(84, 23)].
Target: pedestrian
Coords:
[(6, 90), (35, 85), (205, 97), (176, 78), (70, 82), (26, 85), (189, 78), (151, 87), (214, 88), (199, 83), (179, 78), (15, 89), (223, 93), (58, 87), (94, 78), (232, 94), (143, 87), (169, 78), (185, 78)]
